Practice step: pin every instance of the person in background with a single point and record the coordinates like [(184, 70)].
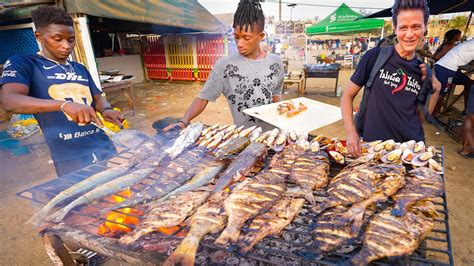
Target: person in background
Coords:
[(467, 127), (60, 93), (392, 108), (248, 79), (451, 38)]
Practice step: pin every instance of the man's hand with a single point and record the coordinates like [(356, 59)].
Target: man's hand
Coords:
[(353, 144), (174, 125), (113, 116), (81, 113)]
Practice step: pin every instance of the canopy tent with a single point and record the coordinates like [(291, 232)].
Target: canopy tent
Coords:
[(159, 17), (343, 20)]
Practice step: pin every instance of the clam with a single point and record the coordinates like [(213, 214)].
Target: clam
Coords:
[(411, 144), (393, 156), (314, 145), (421, 159), (337, 157), (255, 134), (435, 166), (280, 141), (340, 148), (326, 141), (271, 137), (373, 143), (319, 137), (292, 137), (389, 145), (432, 149), (419, 147), (377, 148), (403, 146), (247, 131), (363, 159), (407, 156)]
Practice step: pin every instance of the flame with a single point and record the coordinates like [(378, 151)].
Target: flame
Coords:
[(119, 221), (172, 230)]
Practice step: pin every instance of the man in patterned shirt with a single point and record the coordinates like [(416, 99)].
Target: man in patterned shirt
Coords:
[(250, 78)]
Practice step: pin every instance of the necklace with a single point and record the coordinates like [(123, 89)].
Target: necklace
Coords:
[(68, 70)]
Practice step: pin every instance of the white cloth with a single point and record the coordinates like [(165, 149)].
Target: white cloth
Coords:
[(460, 55)]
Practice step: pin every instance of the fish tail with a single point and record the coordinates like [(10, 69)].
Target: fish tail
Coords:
[(229, 235), (185, 253)]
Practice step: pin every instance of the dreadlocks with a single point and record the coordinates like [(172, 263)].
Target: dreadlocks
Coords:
[(249, 12)]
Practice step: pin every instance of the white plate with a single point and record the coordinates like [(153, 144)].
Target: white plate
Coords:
[(316, 116)]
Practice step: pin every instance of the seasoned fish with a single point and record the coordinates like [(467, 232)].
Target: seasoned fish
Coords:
[(310, 173), (241, 166), (356, 184), (252, 198), (77, 189), (389, 236), (166, 214), (143, 151), (330, 232), (187, 137), (234, 146), (270, 223), (422, 183), (129, 138), (104, 190), (209, 218)]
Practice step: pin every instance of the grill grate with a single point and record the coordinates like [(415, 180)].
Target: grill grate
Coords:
[(292, 247)]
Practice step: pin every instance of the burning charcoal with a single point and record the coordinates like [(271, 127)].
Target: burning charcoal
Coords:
[(232, 261), (201, 260), (219, 256)]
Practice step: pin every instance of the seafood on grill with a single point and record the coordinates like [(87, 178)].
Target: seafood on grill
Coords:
[(387, 235), (356, 184), (337, 157), (280, 141), (303, 142), (169, 213), (421, 183), (246, 132), (77, 189), (270, 223), (144, 150), (255, 134), (331, 232), (129, 138), (422, 159), (249, 199), (234, 146), (187, 137), (270, 140), (208, 218), (103, 190), (310, 172), (242, 165)]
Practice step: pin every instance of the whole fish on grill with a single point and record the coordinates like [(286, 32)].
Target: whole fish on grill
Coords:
[(77, 189), (103, 190), (169, 213), (252, 198), (233, 146), (389, 236), (129, 138), (330, 232), (170, 177), (270, 223), (310, 172), (208, 218), (422, 183), (144, 150), (242, 165), (188, 136), (356, 184)]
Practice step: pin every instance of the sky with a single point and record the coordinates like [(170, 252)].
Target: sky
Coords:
[(305, 9)]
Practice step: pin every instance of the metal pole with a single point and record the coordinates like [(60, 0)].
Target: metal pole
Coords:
[(467, 26), (279, 11)]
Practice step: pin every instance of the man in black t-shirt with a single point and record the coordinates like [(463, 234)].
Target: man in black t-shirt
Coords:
[(392, 106)]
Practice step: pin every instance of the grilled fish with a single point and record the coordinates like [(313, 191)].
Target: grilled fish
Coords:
[(241, 166), (330, 232), (422, 183), (388, 236), (187, 137), (77, 189), (129, 138), (145, 150), (104, 190), (209, 218), (233, 146), (252, 198), (166, 214), (310, 173), (271, 222), (356, 184)]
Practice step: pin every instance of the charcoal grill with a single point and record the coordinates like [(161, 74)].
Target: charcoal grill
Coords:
[(291, 248)]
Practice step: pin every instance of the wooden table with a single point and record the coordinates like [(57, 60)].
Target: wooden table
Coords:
[(123, 85), (323, 73)]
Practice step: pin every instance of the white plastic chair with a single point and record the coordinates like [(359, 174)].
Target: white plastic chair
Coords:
[(348, 59)]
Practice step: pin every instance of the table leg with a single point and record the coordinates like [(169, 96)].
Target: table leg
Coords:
[(337, 81), (56, 250)]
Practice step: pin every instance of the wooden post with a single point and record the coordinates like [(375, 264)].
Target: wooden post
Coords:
[(56, 250)]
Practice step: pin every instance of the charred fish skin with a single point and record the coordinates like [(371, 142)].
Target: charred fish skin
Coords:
[(252, 198), (241, 166), (270, 223), (233, 146), (209, 218), (166, 214), (422, 183)]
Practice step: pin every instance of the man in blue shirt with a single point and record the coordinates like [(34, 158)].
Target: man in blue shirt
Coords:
[(60, 93)]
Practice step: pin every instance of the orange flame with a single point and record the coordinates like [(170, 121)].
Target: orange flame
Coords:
[(117, 220)]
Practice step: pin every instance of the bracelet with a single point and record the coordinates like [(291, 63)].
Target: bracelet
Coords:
[(184, 123), (64, 104), (105, 108)]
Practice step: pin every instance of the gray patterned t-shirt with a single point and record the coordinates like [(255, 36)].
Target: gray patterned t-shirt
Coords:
[(245, 83)]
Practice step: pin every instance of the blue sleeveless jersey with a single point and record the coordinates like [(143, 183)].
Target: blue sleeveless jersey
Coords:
[(48, 80)]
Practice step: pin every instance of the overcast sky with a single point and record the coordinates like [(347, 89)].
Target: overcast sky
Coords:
[(305, 9)]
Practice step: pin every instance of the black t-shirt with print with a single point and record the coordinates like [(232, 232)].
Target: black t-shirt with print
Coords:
[(391, 108)]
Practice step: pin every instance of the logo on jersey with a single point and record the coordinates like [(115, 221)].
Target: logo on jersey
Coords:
[(9, 73), (68, 76), (399, 81), (48, 68), (7, 64)]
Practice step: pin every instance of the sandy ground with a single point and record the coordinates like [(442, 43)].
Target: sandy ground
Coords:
[(20, 245)]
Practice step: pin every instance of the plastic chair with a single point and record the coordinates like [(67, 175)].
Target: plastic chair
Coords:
[(348, 59)]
